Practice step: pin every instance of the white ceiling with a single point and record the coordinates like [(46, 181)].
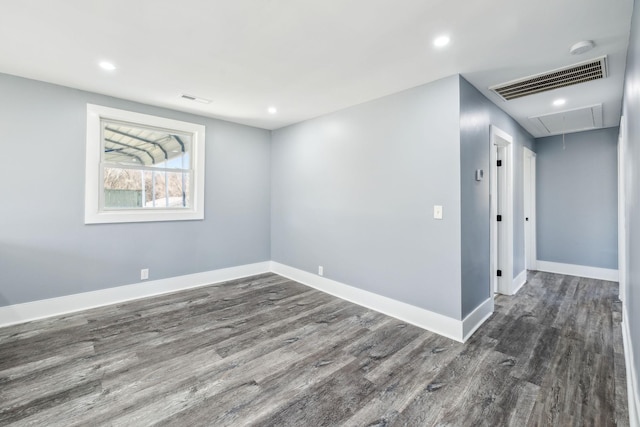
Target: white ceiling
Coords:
[(310, 57)]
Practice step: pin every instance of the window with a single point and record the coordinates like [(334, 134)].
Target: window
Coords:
[(142, 168)]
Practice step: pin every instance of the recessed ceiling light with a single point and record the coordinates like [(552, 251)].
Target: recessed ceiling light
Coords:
[(106, 65), (272, 110), (441, 41), (559, 102)]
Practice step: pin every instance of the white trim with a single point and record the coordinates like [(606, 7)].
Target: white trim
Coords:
[(502, 259), (518, 282), (40, 309), (622, 225), (92, 212), (633, 392), (425, 319), (476, 318), (530, 243), (493, 226), (578, 270), (458, 330)]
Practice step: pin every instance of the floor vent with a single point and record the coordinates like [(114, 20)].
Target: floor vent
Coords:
[(594, 69)]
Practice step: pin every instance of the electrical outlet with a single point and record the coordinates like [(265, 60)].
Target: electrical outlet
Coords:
[(144, 274), (320, 270)]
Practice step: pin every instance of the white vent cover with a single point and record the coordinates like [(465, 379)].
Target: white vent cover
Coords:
[(195, 98), (567, 76), (580, 119)]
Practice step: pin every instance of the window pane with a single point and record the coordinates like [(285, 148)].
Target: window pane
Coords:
[(160, 195), (122, 188), (132, 144)]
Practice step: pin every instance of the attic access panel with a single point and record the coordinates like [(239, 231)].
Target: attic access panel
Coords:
[(576, 120)]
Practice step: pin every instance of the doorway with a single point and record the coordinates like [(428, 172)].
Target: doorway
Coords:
[(529, 170), (501, 216)]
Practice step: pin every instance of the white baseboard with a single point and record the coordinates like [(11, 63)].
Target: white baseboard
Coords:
[(518, 282), (25, 312), (632, 383), (578, 270), (459, 330), (425, 319), (476, 318)]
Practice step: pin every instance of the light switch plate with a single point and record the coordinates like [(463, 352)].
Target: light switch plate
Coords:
[(437, 212)]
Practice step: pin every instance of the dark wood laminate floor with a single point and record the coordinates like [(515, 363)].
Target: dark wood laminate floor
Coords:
[(268, 351)]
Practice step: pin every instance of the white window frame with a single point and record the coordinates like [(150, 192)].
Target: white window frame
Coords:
[(93, 214)]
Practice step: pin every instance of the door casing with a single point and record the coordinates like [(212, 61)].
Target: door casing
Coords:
[(530, 245), (501, 243)]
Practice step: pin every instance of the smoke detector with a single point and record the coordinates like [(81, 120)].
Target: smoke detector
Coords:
[(581, 47)]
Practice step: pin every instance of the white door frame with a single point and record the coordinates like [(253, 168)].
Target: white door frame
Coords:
[(622, 221), (530, 245), (503, 259)]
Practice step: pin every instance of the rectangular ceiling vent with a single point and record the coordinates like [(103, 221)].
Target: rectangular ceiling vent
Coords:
[(195, 98), (582, 72)]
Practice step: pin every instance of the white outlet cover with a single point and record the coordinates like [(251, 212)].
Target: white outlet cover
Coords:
[(437, 212)]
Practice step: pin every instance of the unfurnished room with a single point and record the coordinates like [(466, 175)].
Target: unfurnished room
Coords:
[(320, 213)]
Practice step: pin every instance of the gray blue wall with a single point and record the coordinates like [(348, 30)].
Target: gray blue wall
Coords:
[(631, 111), (477, 113), (577, 198), (46, 250), (354, 191)]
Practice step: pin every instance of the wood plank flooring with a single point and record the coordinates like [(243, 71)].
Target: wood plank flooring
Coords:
[(270, 352)]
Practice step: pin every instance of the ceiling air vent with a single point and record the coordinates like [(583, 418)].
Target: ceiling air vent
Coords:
[(195, 98), (574, 74)]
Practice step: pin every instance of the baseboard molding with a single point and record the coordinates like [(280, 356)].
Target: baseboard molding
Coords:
[(459, 330), (25, 312), (578, 270), (476, 318), (425, 319), (632, 383), (518, 282)]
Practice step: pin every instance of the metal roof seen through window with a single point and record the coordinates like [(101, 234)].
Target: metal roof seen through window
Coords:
[(130, 144)]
